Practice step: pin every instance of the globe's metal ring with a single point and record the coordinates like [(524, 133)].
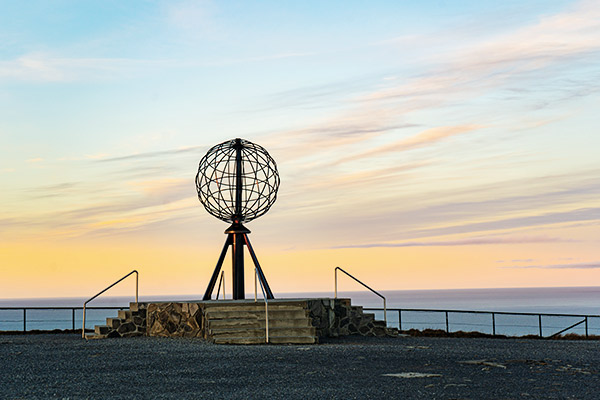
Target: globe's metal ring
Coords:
[(220, 187)]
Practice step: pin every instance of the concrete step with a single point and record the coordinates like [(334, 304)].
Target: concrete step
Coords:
[(93, 336), (136, 307), (260, 306), (273, 314), (113, 323), (258, 323), (102, 329), (124, 314), (293, 340), (260, 332), (393, 332), (368, 317), (272, 339), (239, 340)]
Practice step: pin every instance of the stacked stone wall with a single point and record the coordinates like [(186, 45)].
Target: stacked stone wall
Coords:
[(130, 323), (175, 319), (337, 317)]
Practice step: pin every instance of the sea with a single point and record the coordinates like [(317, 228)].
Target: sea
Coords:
[(431, 305)]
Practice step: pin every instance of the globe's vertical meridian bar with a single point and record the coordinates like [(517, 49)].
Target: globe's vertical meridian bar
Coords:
[(238, 238), (238, 179)]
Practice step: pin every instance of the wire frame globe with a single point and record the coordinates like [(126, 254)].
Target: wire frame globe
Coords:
[(216, 181)]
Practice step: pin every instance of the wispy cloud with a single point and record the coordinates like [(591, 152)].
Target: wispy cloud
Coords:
[(459, 242), (554, 39), (516, 260), (548, 218), (153, 154), (54, 190), (425, 138), (50, 67), (42, 67), (589, 265)]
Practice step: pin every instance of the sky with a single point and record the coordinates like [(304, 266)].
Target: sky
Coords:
[(420, 145)]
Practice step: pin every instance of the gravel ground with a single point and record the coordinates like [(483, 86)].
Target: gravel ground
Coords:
[(66, 366)]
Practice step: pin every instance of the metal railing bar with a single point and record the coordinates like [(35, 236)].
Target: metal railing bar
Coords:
[(99, 293), (570, 327), (539, 325), (221, 282), (399, 320), (266, 303), (485, 312), (73, 318), (64, 308), (372, 290), (447, 324)]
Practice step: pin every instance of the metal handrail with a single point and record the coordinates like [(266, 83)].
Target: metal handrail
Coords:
[(493, 315), (372, 290), (73, 309), (92, 298), (221, 283), (262, 288)]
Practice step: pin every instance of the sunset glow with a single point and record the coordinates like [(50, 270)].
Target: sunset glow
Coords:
[(420, 145)]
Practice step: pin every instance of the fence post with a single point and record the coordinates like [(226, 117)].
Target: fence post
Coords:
[(540, 321), (399, 320), (447, 325), (73, 319), (493, 324), (24, 320), (586, 327)]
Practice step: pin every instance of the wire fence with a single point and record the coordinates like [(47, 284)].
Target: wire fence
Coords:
[(490, 322), (49, 318)]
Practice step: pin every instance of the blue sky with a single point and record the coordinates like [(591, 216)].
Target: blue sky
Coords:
[(437, 125)]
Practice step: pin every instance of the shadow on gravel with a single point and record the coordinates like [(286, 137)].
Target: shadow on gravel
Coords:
[(462, 334)]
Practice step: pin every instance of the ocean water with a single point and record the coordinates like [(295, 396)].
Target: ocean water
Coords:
[(569, 300)]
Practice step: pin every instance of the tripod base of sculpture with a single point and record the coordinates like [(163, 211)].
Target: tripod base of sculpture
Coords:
[(237, 238)]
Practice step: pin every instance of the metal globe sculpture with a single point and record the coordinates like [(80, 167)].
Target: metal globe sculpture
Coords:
[(237, 181)]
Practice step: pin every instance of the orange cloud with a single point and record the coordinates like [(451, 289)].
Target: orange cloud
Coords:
[(422, 139)]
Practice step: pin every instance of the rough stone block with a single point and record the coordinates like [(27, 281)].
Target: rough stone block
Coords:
[(131, 334), (163, 317), (364, 330), (156, 329), (170, 327), (101, 329), (126, 327), (193, 308)]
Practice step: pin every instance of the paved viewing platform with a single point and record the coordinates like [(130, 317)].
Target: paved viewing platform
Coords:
[(66, 366)]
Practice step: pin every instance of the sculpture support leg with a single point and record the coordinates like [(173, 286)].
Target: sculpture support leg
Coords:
[(261, 275), (215, 275), (239, 291)]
